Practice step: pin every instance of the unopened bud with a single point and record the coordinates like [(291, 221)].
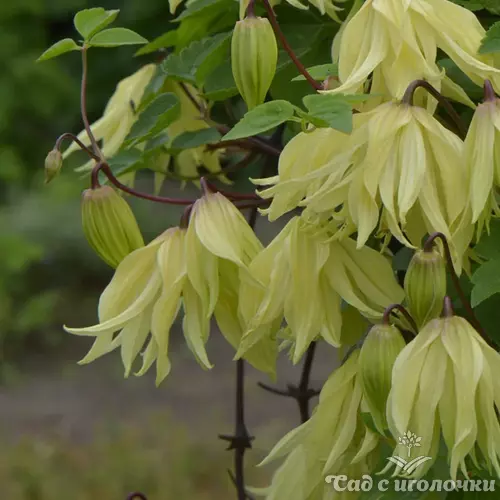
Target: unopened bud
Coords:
[(254, 55), (109, 225), (425, 285), (376, 360), (53, 165)]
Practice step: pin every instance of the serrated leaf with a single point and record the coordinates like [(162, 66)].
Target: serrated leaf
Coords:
[(319, 72), (168, 39), (491, 41), (196, 62), (158, 115), (188, 140), (261, 119), (115, 37), (336, 110), (89, 21), (60, 47), (220, 84)]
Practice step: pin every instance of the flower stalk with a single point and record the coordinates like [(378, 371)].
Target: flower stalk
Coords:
[(410, 92)]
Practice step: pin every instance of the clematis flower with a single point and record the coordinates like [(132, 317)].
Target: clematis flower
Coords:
[(196, 268), (333, 441), (446, 381), (300, 263), (407, 174), (482, 152), (398, 41), (305, 163), (118, 116)]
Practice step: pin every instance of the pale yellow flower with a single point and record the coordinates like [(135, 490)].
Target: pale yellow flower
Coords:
[(397, 41), (301, 263), (482, 152), (197, 268), (407, 174), (334, 441), (446, 381)]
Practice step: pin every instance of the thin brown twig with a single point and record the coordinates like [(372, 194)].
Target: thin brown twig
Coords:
[(106, 170), (284, 42), (83, 105), (74, 138)]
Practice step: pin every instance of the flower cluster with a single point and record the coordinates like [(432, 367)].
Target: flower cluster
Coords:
[(414, 379)]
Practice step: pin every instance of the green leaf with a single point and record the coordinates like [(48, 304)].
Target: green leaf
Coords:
[(197, 61), (220, 84), (168, 39), (89, 21), (489, 246), (60, 47), (261, 119), (491, 41), (115, 37), (201, 7), (486, 282), (474, 91), (189, 140), (124, 162), (158, 115), (201, 20), (319, 72), (335, 110)]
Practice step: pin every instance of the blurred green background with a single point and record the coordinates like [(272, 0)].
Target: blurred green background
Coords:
[(84, 432)]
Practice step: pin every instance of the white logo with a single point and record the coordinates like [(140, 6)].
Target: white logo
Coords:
[(409, 440)]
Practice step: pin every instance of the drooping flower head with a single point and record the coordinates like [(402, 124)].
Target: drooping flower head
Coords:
[(198, 269), (302, 263), (446, 381), (398, 41), (482, 152), (333, 441)]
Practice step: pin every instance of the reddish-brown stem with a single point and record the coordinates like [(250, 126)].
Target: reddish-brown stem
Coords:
[(248, 144), (389, 310), (74, 138), (284, 42), (208, 187), (448, 308), (489, 92), (456, 281), (410, 92), (83, 106), (106, 170)]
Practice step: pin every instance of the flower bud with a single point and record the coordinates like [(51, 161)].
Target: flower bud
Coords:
[(53, 165), (109, 225), (425, 285), (376, 360), (254, 54)]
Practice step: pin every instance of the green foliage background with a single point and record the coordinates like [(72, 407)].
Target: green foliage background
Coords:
[(45, 262)]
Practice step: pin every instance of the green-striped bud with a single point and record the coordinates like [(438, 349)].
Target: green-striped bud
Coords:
[(53, 165), (254, 54), (376, 360), (425, 285), (109, 225)]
